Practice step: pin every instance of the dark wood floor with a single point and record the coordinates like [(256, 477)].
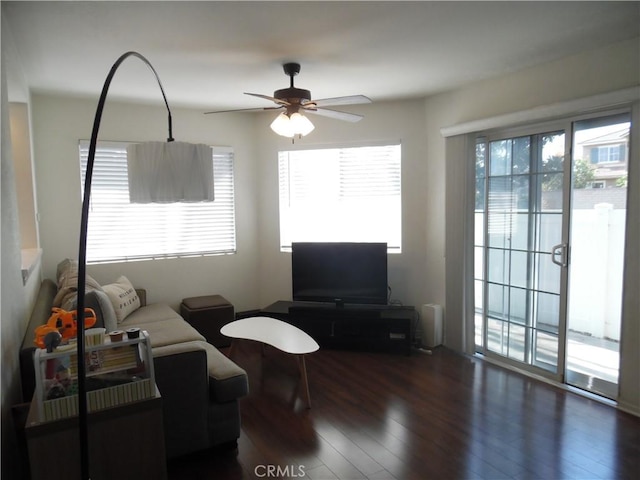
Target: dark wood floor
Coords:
[(444, 416)]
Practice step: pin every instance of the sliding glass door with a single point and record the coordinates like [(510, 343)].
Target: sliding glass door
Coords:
[(598, 211), (546, 271), (525, 239)]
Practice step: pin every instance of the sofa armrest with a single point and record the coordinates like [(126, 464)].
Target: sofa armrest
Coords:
[(39, 315), (41, 310), (181, 378), (226, 380), (195, 415)]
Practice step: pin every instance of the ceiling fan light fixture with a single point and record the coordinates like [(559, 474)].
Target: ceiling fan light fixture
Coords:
[(281, 125), (300, 124), (292, 101), (290, 125)]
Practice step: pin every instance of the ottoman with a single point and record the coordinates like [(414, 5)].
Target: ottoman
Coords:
[(208, 314)]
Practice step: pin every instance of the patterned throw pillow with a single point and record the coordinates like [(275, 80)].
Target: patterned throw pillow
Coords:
[(123, 296), (67, 276)]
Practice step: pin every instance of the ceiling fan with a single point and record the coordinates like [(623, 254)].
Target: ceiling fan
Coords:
[(294, 101)]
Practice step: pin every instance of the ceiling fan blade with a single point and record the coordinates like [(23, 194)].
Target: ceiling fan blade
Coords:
[(267, 97), (246, 110), (347, 117), (349, 100)]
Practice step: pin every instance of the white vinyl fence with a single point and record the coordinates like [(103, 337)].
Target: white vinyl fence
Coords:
[(596, 267)]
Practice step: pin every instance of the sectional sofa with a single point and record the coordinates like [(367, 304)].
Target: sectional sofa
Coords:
[(199, 385)]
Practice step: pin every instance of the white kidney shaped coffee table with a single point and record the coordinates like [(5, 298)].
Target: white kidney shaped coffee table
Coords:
[(278, 334)]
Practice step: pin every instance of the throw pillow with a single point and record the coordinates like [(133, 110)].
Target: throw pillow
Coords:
[(123, 296), (108, 313), (67, 274), (101, 304)]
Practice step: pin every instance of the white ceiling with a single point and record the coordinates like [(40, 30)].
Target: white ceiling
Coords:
[(208, 53)]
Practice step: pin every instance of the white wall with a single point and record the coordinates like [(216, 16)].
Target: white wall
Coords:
[(604, 70), (60, 122), (258, 274), (16, 299), (21, 148), (629, 382), (409, 276), (573, 77)]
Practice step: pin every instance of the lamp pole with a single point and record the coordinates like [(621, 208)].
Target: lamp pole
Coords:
[(82, 256)]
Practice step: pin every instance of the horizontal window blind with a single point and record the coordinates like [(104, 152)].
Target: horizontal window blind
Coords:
[(122, 231), (341, 195)]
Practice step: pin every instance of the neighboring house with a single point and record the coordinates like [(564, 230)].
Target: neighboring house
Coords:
[(609, 155)]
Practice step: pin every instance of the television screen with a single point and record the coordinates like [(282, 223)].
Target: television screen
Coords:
[(339, 272)]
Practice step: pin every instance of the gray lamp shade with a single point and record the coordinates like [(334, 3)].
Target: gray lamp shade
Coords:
[(169, 172)]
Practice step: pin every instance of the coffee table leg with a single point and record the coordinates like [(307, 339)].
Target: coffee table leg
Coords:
[(305, 382)]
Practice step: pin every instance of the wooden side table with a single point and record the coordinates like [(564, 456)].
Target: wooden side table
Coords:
[(125, 442)]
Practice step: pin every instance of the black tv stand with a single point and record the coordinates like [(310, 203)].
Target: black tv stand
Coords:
[(333, 325)]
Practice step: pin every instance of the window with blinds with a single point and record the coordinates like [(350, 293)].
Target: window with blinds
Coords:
[(341, 195), (123, 231)]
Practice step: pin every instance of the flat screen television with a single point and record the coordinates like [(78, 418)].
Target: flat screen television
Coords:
[(339, 272)]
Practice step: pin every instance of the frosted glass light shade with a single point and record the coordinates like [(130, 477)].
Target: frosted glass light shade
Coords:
[(300, 124), (288, 126), (281, 125), (169, 172)]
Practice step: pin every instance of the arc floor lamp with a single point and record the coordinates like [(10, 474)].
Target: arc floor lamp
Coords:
[(172, 155)]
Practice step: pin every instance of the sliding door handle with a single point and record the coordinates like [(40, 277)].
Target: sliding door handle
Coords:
[(561, 251)]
